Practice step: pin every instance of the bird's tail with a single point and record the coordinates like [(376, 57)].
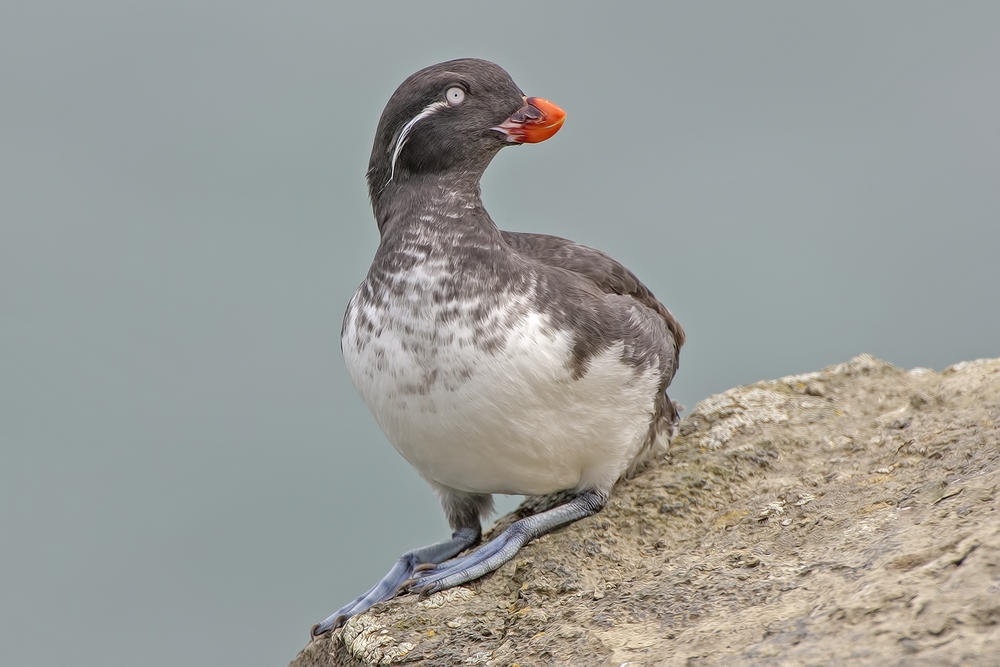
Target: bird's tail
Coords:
[(662, 432)]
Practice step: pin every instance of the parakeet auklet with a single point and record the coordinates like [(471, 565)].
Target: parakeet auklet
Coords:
[(495, 362)]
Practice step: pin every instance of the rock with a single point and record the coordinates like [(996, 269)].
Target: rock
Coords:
[(845, 516)]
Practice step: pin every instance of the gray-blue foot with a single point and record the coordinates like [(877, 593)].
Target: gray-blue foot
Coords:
[(402, 572), (504, 546)]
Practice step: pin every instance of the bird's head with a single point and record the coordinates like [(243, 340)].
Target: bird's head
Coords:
[(454, 117)]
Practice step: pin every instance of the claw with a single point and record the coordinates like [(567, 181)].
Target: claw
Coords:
[(317, 631), (425, 591), (418, 576)]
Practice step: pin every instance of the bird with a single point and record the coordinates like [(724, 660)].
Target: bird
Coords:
[(495, 362)]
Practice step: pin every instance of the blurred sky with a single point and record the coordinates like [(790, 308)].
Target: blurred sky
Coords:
[(187, 476)]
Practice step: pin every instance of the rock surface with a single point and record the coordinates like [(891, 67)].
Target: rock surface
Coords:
[(847, 516)]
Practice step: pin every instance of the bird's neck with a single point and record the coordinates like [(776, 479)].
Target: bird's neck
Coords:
[(449, 204)]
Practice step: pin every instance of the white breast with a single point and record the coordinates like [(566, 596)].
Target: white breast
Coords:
[(508, 420)]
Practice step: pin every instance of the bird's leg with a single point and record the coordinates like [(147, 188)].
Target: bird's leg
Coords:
[(402, 571), (502, 548), (464, 512)]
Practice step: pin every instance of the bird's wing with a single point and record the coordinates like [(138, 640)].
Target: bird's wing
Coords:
[(651, 320), (597, 267)]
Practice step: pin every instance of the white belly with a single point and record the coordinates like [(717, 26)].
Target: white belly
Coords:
[(512, 420)]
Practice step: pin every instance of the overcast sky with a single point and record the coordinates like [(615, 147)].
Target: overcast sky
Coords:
[(187, 476)]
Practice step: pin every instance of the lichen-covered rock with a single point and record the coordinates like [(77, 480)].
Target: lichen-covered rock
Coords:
[(847, 516)]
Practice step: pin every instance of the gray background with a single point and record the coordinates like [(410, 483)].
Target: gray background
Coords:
[(186, 473)]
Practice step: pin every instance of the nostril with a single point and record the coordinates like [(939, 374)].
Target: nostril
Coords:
[(526, 114)]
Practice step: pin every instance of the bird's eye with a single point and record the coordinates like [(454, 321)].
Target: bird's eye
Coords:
[(455, 96)]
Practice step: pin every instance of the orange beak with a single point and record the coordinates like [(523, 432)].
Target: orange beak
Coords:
[(536, 121)]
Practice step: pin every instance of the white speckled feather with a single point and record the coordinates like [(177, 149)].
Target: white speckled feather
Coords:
[(512, 420)]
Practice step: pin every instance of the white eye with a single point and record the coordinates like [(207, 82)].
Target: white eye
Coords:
[(455, 96)]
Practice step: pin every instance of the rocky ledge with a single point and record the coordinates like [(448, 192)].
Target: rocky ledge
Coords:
[(847, 516)]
